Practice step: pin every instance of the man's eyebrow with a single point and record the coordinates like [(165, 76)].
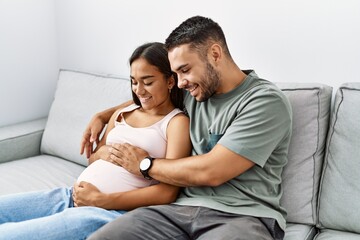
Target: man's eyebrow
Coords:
[(180, 67)]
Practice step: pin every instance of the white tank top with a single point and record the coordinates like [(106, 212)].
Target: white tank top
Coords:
[(108, 177)]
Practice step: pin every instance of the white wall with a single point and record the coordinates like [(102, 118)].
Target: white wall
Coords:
[(284, 41), (297, 41), (28, 60)]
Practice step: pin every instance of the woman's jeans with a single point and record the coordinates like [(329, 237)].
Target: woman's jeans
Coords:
[(49, 215)]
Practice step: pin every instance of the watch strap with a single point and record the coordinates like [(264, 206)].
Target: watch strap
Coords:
[(145, 172)]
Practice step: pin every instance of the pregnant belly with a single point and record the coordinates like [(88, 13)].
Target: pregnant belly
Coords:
[(109, 178)]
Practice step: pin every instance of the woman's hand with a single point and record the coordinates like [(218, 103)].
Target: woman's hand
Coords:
[(86, 194), (95, 127), (91, 135), (103, 153)]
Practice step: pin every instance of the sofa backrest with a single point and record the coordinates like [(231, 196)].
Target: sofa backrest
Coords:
[(339, 195), (311, 112), (78, 97)]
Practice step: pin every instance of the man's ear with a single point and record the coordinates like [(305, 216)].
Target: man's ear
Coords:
[(215, 53)]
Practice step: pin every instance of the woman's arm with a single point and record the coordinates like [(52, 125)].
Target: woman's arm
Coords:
[(95, 127), (102, 150), (178, 146), (88, 195)]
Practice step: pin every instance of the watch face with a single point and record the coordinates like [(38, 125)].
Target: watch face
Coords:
[(145, 164)]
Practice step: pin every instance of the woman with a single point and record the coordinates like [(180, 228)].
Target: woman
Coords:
[(164, 132)]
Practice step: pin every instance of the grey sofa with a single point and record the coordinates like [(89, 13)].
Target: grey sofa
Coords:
[(321, 180)]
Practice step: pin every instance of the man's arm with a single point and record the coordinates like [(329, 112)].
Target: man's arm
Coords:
[(95, 127), (210, 169)]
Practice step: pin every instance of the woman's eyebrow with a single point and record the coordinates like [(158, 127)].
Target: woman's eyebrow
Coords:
[(143, 77)]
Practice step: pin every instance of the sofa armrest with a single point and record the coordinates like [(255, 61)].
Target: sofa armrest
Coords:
[(21, 140)]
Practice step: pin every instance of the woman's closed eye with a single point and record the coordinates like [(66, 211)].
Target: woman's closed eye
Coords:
[(148, 83)]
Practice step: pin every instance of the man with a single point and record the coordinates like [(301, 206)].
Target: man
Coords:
[(240, 130)]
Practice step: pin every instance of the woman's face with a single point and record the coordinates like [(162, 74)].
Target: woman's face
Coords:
[(149, 84)]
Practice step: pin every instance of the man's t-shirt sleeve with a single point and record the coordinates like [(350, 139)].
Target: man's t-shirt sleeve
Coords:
[(262, 122)]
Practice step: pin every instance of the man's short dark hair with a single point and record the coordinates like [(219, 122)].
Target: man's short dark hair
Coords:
[(200, 32)]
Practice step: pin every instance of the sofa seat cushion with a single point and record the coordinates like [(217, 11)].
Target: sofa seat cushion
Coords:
[(339, 195), (37, 173), (299, 232), (311, 113), (336, 235), (78, 97)]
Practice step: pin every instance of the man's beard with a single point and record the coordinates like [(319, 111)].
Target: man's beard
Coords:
[(210, 82)]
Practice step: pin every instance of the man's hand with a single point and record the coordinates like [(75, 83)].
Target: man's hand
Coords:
[(91, 135), (86, 194), (128, 157)]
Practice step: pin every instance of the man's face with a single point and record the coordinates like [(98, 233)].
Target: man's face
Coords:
[(195, 74)]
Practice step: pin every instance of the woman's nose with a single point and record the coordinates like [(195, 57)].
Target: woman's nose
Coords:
[(139, 89)]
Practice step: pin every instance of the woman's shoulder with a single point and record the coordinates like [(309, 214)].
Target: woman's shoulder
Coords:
[(178, 117), (127, 109), (175, 113), (178, 126)]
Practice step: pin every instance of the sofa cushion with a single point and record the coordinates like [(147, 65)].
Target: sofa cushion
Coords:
[(311, 110), (339, 200), (299, 232), (21, 140), (37, 173), (336, 235), (77, 98)]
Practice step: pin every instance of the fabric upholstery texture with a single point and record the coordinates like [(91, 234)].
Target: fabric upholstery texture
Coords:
[(328, 234), (37, 173), (339, 201), (78, 97), (299, 232), (311, 110), (21, 140)]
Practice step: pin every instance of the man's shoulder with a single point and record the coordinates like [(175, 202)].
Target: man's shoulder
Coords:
[(263, 87)]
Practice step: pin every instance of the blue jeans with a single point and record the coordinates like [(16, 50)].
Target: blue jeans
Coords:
[(49, 215)]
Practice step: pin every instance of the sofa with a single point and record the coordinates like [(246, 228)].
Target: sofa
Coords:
[(321, 181)]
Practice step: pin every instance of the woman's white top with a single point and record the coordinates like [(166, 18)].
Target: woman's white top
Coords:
[(108, 177)]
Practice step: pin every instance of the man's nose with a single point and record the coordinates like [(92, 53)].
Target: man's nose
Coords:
[(182, 82)]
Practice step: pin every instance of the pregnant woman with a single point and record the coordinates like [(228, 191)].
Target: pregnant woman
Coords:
[(105, 191)]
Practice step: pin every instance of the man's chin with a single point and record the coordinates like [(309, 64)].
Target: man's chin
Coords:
[(200, 99)]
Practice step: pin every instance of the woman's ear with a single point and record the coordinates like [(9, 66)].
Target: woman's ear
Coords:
[(171, 82)]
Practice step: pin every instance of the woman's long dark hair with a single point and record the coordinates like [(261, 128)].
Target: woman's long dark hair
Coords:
[(155, 54)]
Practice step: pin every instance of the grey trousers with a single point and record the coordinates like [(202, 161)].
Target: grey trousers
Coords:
[(187, 222)]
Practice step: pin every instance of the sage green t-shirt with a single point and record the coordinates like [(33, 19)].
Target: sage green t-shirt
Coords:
[(254, 121)]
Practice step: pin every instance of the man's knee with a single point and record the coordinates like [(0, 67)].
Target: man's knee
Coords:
[(122, 227)]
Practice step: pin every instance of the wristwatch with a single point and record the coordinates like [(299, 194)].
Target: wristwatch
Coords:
[(145, 166)]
